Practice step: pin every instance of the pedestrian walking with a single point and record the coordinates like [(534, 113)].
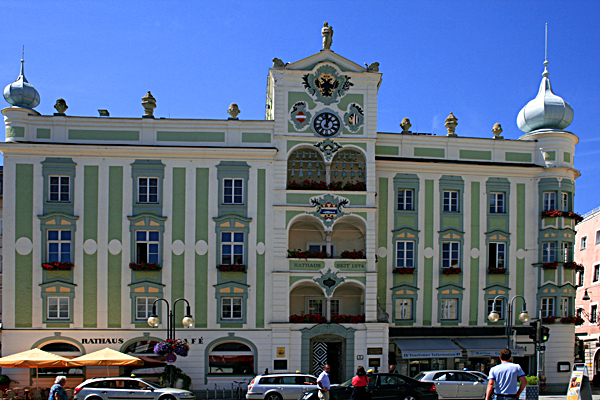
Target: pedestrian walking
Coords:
[(503, 379), (360, 382), (57, 391), (324, 384)]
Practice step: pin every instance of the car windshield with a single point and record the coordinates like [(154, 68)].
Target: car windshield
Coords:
[(348, 383), (419, 375)]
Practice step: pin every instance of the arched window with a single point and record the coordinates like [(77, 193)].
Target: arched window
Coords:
[(145, 347), (231, 358), (64, 349), (348, 170), (305, 164)]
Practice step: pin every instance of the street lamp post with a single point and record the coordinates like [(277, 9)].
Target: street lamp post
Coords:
[(494, 316), (154, 320)]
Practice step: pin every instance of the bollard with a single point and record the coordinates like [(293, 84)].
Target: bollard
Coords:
[(223, 392), (207, 394), (215, 391), (232, 391)]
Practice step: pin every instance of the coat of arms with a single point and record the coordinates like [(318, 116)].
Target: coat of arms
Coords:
[(354, 118), (329, 208), (300, 116), (326, 85)]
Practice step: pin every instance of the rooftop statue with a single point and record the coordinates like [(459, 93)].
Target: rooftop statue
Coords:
[(327, 33)]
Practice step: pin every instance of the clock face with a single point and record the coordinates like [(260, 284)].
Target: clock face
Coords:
[(326, 124)]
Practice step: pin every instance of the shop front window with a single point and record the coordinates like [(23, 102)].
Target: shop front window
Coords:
[(231, 358)]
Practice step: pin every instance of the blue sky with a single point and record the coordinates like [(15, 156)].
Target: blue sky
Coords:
[(482, 60)]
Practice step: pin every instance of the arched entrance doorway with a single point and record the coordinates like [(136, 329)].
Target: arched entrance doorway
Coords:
[(328, 350)]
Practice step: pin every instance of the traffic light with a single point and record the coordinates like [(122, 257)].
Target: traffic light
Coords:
[(545, 335), (534, 330)]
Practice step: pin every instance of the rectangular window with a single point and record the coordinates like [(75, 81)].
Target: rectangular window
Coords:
[(143, 307), (450, 254), (233, 191), (59, 246), (146, 244), (583, 245), (232, 248), (405, 254), (499, 307), (451, 201), (315, 306), (497, 255), (449, 308), (565, 252), (58, 308), (547, 307), (564, 307), (596, 277), (147, 190), (405, 199), (549, 201), (497, 202), (594, 314), (335, 306), (565, 201), (403, 308), (59, 188), (549, 252), (231, 308), (580, 277), (597, 237)]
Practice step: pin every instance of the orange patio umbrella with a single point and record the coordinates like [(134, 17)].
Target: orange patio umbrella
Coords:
[(106, 357), (33, 358)]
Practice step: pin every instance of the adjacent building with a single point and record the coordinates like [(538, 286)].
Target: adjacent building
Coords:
[(301, 239)]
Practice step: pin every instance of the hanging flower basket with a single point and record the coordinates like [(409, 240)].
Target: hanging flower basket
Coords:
[(144, 266), (176, 346), (550, 265), (347, 319), (548, 320), (451, 271), (571, 319), (573, 265), (307, 254), (308, 318), (353, 254), (497, 271), (403, 271), (232, 268), (57, 266)]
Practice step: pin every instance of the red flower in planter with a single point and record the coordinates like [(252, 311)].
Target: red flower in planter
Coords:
[(573, 265), (403, 271), (144, 266), (550, 265), (232, 268), (548, 320), (353, 254), (551, 214), (308, 318), (307, 254), (571, 319), (451, 271), (496, 271), (347, 319), (57, 266)]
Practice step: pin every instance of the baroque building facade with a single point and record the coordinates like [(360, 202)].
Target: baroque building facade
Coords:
[(304, 238)]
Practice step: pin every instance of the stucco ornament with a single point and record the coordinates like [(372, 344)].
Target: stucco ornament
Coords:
[(149, 104), (23, 246), (90, 246), (329, 281), (178, 247), (61, 106), (326, 85), (354, 118), (450, 125), (278, 64), (328, 147), (373, 67), (114, 247), (497, 130), (327, 33), (233, 111), (300, 116), (201, 247), (405, 125), (329, 209)]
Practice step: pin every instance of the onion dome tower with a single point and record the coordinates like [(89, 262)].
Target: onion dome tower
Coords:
[(21, 93)]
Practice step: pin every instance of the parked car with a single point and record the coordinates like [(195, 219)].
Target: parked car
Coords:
[(479, 374), (382, 387), (455, 384), (123, 388), (280, 386)]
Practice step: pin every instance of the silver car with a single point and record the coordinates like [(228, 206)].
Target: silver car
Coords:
[(280, 386), (127, 388), (455, 384)]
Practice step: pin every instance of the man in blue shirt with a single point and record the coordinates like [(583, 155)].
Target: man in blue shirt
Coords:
[(504, 377), (323, 382)]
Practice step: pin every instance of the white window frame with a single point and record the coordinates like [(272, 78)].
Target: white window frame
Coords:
[(405, 251), (451, 203), (232, 302), (62, 303), (549, 201), (583, 243), (405, 204), (454, 248), (447, 312), (404, 308), (499, 307), (564, 307), (594, 314), (548, 252), (232, 244), (596, 276), (597, 236), (322, 246), (236, 198), (59, 193), (147, 302), (148, 180), (317, 300), (497, 202), (548, 307), (580, 278), (500, 253), (148, 242), (565, 251), (60, 242), (565, 201)]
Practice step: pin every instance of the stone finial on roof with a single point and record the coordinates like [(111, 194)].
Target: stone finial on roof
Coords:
[(497, 130), (373, 67), (405, 125), (233, 111), (61, 106), (450, 124), (149, 104), (278, 63)]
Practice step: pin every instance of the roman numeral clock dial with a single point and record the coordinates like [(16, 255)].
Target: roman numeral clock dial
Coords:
[(326, 124)]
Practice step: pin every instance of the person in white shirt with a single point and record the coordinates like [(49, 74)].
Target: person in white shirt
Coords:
[(324, 384)]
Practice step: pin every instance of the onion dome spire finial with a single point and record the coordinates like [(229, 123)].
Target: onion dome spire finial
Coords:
[(21, 93)]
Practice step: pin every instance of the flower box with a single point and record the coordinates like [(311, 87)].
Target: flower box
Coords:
[(321, 185), (550, 265), (57, 266), (548, 320), (307, 254), (144, 266), (176, 346), (573, 265), (496, 271), (308, 318), (347, 319), (451, 271), (232, 268), (307, 185), (551, 214), (571, 319), (565, 214), (403, 271), (353, 254)]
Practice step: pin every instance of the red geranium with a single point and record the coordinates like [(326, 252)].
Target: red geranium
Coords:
[(353, 254), (403, 271), (144, 266), (308, 318), (232, 267), (451, 270), (57, 266)]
